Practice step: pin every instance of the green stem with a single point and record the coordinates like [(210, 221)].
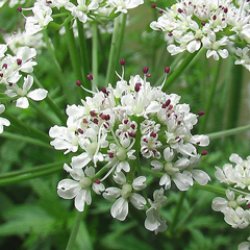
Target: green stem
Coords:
[(177, 72), (51, 103), (95, 54), (83, 51), (119, 27), (229, 132), (73, 51), (103, 171), (211, 188), (41, 112), (121, 37), (235, 97), (54, 58), (18, 176), (35, 133), (26, 139), (33, 170), (72, 238), (211, 97), (177, 212)]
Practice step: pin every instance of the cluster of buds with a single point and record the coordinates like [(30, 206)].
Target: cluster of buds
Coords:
[(121, 138), (221, 27), (236, 205)]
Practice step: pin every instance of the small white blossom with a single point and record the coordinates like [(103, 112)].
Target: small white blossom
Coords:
[(3, 121), (119, 209), (25, 93)]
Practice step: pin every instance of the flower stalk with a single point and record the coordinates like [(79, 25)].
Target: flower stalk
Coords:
[(116, 43)]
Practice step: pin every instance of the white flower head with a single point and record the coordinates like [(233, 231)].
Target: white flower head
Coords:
[(25, 93)]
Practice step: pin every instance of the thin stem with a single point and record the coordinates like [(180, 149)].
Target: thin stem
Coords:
[(74, 232), (73, 51), (95, 55), (177, 72), (43, 113), (83, 51), (54, 58), (27, 139), (51, 103), (35, 169), (235, 96), (211, 97), (25, 127), (211, 188), (177, 212), (228, 132), (119, 27), (18, 176)]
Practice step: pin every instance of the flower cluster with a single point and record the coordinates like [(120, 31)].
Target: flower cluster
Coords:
[(236, 175), (84, 11), (12, 68), (123, 136), (221, 27)]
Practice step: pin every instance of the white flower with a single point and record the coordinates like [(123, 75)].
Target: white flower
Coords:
[(154, 222), (119, 209), (119, 128), (124, 5), (83, 8), (179, 172), (79, 188), (3, 121), (3, 49), (191, 25), (40, 19), (35, 95), (236, 174), (244, 245)]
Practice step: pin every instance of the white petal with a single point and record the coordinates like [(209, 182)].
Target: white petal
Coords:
[(193, 46), (235, 158), (28, 82), (165, 181), (138, 201), (139, 183), (67, 188), (98, 188), (22, 103), (38, 94), (124, 165), (219, 204), (201, 140), (80, 200), (151, 222), (156, 165), (168, 154), (183, 181), (81, 160), (119, 209), (4, 122), (2, 108), (200, 176), (223, 53), (119, 178), (153, 107), (112, 193)]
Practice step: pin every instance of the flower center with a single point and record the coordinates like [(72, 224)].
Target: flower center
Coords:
[(121, 154), (85, 182), (126, 191)]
